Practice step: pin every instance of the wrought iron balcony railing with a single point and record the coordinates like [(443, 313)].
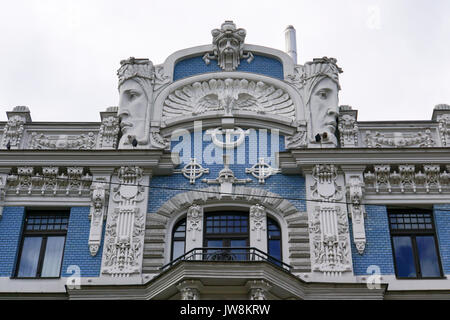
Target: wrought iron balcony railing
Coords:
[(233, 254)]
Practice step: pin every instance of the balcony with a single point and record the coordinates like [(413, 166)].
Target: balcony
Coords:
[(233, 254)]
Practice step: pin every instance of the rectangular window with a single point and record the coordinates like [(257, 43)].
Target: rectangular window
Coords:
[(43, 241), (414, 244)]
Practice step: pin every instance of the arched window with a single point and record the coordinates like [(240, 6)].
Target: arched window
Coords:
[(179, 239), (227, 233), (273, 239)]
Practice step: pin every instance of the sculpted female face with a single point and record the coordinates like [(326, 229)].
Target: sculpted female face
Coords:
[(324, 106), (132, 111)]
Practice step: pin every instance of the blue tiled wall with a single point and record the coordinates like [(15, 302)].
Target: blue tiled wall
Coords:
[(260, 64), (287, 186), (378, 250), (76, 251), (10, 235), (442, 222)]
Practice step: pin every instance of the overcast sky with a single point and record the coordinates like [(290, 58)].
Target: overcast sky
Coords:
[(60, 57)]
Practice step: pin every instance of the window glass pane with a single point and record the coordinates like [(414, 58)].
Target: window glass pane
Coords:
[(215, 243), (30, 257), (238, 243), (275, 249), (404, 257), (214, 254), (178, 249), (239, 254), (53, 257), (429, 265)]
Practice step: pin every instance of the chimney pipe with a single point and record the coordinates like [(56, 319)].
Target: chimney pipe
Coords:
[(291, 42)]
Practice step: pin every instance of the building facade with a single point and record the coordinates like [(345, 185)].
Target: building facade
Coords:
[(227, 172)]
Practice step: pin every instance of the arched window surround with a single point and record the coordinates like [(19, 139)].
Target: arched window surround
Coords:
[(229, 206)]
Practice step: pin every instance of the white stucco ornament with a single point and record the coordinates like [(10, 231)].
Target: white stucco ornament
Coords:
[(136, 86), (229, 142), (229, 96), (192, 171), (320, 87), (228, 43), (262, 171), (226, 179)]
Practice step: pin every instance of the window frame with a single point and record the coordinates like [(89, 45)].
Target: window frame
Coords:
[(44, 235), (412, 234)]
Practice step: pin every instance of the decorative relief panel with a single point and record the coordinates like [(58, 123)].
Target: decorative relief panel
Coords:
[(49, 181), (348, 127), (228, 96), (408, 178), (328, 223), (78, 142), (194, 221), (298, 140), (160, 78), (329, 240), (14, 129), (399, 139), (125, 226), (109, 129), (444, 129), (258, 225)]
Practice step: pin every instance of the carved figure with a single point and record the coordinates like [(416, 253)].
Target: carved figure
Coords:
[(135, 101), (228, 45), (321, 86)]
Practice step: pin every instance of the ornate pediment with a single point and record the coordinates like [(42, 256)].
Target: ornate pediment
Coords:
[(228, 96)]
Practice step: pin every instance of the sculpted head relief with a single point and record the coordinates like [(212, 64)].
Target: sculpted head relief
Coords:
[(321, 88), (135, 101), (228, 44)]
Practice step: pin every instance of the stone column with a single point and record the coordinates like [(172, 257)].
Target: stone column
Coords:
[(194, 227), (258, 227), (125, 225)]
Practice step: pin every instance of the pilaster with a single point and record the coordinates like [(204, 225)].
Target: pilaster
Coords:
[(258, 227), (355, 187), (194, 227), (100, 190), (327, 220), (125, 225)]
